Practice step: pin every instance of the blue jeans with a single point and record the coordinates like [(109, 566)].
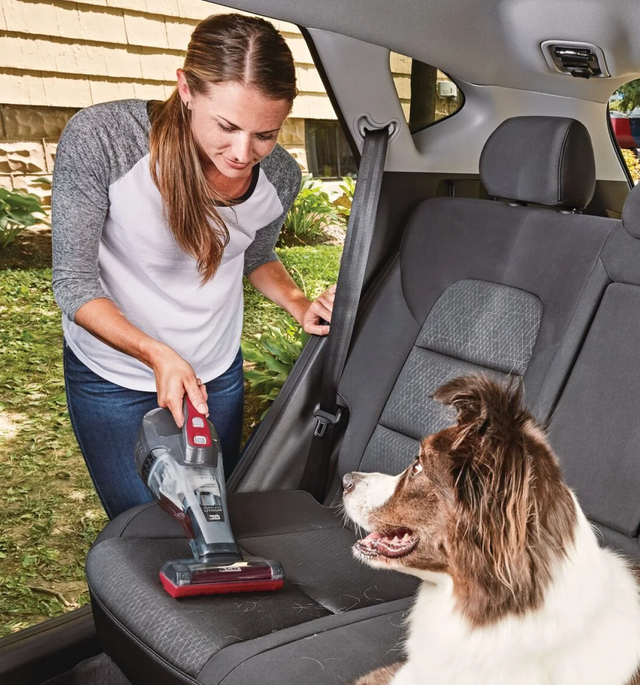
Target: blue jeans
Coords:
[(106, 417)]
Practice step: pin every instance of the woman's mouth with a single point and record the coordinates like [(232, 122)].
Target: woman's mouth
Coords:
[(238, 166)]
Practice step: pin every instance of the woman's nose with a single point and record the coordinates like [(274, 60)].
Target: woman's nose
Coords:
[(242, 149)]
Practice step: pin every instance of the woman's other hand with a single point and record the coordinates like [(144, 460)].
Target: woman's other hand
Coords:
[(174, 378), (318, 310), (273, 281)]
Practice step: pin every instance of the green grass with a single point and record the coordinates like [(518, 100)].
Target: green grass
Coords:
[(50, 513), (314, 269)]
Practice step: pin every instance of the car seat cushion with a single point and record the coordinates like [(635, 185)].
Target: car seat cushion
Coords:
[(308, 539)]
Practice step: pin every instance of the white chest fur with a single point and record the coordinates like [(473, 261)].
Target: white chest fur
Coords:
[(586, 633)]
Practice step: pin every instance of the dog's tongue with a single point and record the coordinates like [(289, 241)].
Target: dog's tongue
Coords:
[(372, 536)]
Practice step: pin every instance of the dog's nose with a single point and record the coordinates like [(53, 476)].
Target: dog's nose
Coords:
[(349, 481)]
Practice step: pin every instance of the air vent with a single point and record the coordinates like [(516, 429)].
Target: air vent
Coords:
[(580, 60)]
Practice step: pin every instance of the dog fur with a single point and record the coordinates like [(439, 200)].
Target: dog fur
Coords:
[(516, 589)]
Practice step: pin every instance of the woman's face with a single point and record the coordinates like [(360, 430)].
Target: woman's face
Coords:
[(235, 127)]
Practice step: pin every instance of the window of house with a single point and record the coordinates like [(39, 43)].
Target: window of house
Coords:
[(624, 113), (328, 153), (426, 94)]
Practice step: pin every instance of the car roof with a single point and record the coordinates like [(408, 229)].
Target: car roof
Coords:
[(484, 42)]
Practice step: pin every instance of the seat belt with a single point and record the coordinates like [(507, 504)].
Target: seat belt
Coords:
[(347, 298)]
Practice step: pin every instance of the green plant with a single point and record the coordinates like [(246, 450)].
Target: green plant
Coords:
[(633, 164), (17, 209), (343, 202), (311, 212), (273, 355)]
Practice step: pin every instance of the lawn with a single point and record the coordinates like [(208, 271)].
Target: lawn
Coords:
[(50, 513)]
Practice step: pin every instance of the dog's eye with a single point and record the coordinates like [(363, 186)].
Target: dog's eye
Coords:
[(416, 468)]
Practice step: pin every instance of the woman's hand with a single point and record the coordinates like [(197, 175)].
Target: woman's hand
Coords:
[(273, 281), (320, 308), (174, 378)]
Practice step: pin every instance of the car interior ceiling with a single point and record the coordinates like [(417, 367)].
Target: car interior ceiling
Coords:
[(465, 226)]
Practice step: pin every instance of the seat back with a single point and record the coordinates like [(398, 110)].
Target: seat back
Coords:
[(595, 429), (478, 286)]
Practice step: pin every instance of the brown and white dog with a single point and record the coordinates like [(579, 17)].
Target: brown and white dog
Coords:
[(516, 589)]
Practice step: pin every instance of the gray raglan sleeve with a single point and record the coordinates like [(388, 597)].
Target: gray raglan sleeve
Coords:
[(285, 174), (79, 205)]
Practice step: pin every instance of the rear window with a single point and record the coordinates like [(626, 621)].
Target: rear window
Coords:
[(624, 112), (426, 94)]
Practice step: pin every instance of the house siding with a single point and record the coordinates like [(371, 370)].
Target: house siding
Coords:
[(58, 57)]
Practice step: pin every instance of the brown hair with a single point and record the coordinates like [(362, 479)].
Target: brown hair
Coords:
[(223, 48)]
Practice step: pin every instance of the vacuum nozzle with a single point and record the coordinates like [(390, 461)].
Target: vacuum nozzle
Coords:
[(188, 578)]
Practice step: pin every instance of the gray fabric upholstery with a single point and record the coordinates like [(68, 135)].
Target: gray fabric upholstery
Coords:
[(484, 323), (98, 670), (631, 213), (411, 412), (307, 538), (320, 563), (543, 255), (474, 327), (542, 160), (339, 650), (123, 573), (595, 429), (389, 451)]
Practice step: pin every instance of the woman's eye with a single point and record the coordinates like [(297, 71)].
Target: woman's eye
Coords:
[(264, 138), (416, 468), (228, 129)]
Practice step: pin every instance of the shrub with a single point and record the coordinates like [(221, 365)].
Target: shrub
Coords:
[(344, 202), (632, 163), (311, 212), (17, 209), (273, 355)]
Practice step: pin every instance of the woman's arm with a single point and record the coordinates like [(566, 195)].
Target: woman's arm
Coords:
[(174, 376), (274, 282), (82, 175)]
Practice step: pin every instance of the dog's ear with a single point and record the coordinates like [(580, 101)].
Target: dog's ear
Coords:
[(490, 467), (482, 403)]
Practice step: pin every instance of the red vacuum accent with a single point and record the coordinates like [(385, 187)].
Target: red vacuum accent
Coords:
[(218, 588), (178, 515), (198, 433)]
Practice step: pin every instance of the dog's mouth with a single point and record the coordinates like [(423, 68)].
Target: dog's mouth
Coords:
[(390, 544)]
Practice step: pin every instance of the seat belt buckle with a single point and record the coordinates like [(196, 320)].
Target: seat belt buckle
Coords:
[(324, 419)]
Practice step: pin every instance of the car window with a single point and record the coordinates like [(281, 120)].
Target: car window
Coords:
[(427, 95), (624, 113), (51, 512), (329, 156)]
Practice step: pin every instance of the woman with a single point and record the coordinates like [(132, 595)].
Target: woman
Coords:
[(158, 208)]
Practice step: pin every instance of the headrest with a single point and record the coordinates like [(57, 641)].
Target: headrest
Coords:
[(631, 213), (542, 160)]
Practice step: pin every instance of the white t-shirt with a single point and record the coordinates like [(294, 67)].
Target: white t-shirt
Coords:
[(111, 240)]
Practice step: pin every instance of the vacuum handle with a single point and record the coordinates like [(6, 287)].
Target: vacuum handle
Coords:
[(195, 428), (196, 437)]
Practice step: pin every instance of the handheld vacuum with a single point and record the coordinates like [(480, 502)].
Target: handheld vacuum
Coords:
[(183, 469)]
